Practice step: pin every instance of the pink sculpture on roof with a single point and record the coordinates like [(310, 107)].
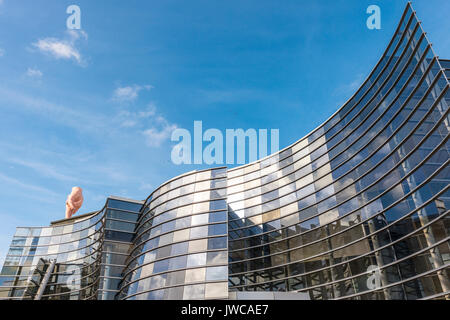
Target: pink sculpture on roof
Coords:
[(74, 201)]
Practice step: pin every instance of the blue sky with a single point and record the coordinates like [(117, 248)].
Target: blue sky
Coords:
[(95, 108)]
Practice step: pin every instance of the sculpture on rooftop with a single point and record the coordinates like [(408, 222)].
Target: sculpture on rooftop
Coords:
[(74, 201)]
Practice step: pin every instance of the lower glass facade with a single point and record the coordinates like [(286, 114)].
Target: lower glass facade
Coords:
[(357, 209), (89, 251)]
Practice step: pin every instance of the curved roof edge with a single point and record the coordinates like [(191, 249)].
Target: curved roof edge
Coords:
[(408, 6)]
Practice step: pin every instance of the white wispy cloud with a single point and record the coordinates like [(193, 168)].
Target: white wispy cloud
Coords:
[(128, 123), (59, 49), (155, 127), (2, 51), (149, 112), (155, 136), (43, 168), (62, 48), (82, 120), (128, 119), (27, 186), (148, 123), (34, 73), (67, 165), (76, 34), (128, 93)]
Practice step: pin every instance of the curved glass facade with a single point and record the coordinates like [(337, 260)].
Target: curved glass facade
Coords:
[(180, 247), (90, 251), (75, 246), (357, 209)]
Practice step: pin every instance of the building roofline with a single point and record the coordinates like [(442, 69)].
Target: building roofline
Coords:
[(125, 199), (63, 221)]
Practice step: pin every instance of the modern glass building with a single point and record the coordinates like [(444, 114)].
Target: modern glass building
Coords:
[(357, 209)]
